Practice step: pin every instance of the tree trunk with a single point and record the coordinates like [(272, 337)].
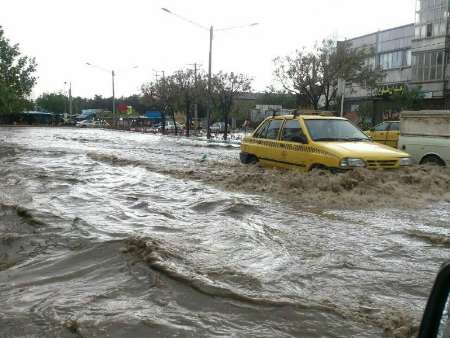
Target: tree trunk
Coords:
[(298, 100), (188, 118), (225, 130), (163, 120), (315, 104), (327, 98), (174, 122)]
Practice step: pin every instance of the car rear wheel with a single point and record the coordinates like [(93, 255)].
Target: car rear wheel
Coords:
[(433, 160), (248, 158)]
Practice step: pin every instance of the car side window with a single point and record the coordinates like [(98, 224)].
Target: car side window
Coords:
[(395, 126), (272, 130), (261, 132), (291, 131), (381, 127)]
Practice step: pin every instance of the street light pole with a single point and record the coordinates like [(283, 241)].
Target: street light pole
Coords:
[(208, 109)]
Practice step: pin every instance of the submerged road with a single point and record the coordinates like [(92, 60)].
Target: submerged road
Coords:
[(115, 234)]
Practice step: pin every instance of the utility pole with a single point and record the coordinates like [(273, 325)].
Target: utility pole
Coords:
[(70, 100), (66, 99), (341, 90), (113, 101), (211, 34), (163, 98), (113, 74), (342, 98)]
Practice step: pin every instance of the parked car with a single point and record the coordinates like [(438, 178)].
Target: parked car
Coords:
[(309, 142), (169, 126), (217, 127), (101, 124), (386, 133), (85, 123), (426, 136), (92, 124)]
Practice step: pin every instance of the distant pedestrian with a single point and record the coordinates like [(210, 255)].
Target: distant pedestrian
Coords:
[(245, 125)]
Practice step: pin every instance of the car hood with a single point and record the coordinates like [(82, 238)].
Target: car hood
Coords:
[(362, 150)]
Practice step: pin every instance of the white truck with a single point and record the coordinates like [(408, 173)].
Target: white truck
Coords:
[(425, 135)]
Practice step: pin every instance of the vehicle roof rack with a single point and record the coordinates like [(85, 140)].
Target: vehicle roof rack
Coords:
[(317, 112)]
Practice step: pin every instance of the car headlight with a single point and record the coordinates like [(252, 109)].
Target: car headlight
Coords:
[(406, 161), (352, 163)]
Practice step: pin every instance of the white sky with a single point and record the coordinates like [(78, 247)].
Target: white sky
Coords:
[(119, 34)]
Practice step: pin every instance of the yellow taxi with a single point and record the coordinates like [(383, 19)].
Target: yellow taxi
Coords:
[(306, 142), (386, 133)]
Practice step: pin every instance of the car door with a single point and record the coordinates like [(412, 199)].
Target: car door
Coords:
[(270, 146), (379, 132), (393, 134), (255, 146), (294, 152)]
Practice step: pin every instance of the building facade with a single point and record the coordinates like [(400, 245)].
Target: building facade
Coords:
[(414, 55)]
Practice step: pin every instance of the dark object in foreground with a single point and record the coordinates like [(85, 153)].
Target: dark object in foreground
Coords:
[(436, 318)]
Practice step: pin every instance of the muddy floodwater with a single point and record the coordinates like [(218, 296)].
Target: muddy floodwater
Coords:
[(116, 234)]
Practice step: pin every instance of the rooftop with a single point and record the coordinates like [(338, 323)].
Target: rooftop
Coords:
[(381, 31)]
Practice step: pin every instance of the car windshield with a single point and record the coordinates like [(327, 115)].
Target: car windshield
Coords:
[(334, 130)]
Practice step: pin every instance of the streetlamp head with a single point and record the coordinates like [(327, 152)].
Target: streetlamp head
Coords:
[(88, 63), (254, 24), (166, 10)]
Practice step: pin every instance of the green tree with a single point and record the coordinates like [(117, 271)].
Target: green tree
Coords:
[(16, 77), (226, 87), (407, 98), (314, 73), (158, 96), (53, 103), (163, 95), (272, 97), (178, 92)]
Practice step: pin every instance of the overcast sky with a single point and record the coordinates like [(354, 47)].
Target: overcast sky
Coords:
[(119, 34)]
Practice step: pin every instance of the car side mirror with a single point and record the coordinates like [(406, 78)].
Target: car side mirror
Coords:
[(299, 139), (436, 318)]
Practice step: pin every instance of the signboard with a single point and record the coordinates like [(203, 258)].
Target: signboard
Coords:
[(153, 115), (122, 107)]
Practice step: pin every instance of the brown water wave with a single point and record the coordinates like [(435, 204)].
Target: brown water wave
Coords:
[(139, 235), (405, 187), (432, 238), (394, 322)]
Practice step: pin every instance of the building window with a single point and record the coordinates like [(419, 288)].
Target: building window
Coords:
[(431, 18), (428, 66), (429, 30), (394, 60), (408, 58)]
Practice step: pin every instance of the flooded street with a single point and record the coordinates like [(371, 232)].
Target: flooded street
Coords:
[(118, 234)]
